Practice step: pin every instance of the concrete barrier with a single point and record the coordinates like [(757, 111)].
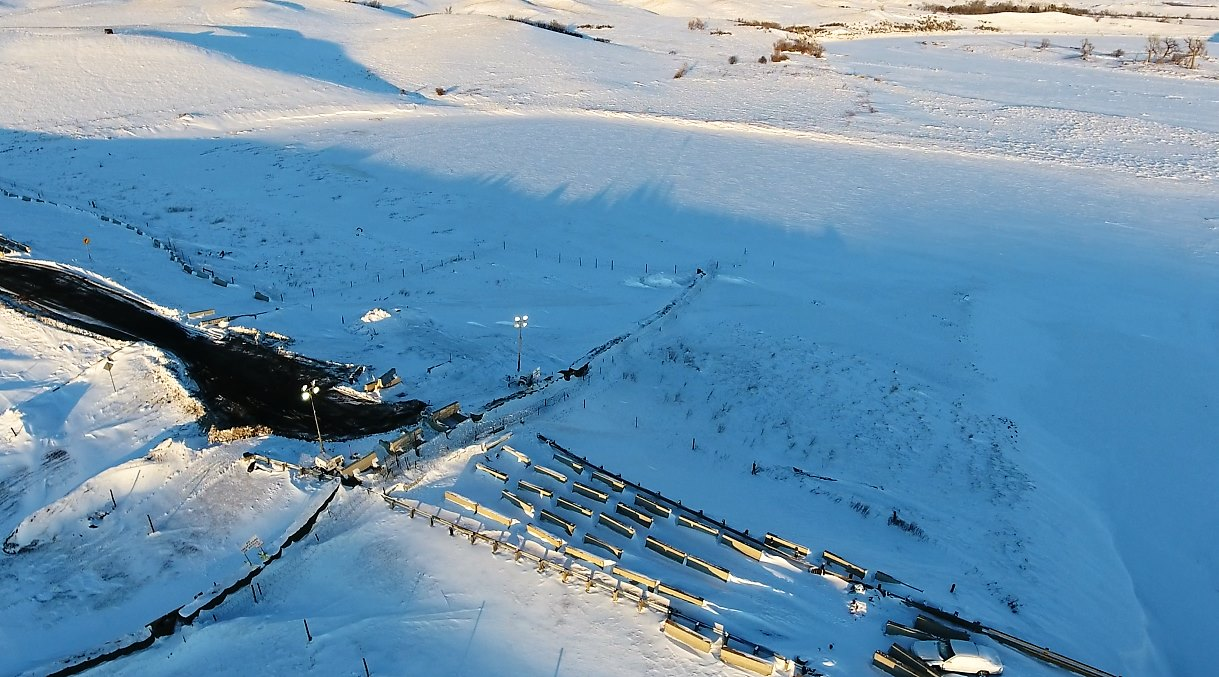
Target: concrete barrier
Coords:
[(648, 583), (521, 458), (616, 526), (899, 630), (679, 594), (554, 519), (572, 506), (612, 549), (575, 465), (687, 636), (851, 570), (586, 556), (791, 547), (533, 488), (748, 662), (891, 666), (910, 662), (492, 472), (741, 546), (552, 474), (707, 568), (589, 492), (666, 550), (689, 523), (627, 511), (611, 482), (519, 502), (545, 537), (494, 516), (464, 502), (939, 629), (652, 507), (359, 466)]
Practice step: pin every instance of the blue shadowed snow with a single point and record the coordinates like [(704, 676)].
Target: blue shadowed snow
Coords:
[(285, 51)]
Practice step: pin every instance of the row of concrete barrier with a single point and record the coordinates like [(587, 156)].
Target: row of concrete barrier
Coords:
[(656, 505), (832, 564), (646, 593), (616, 526), (757, 662)]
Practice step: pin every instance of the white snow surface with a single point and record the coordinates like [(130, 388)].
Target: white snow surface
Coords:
[(971, 279)]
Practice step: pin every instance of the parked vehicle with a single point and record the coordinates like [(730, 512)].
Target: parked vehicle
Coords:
[(958, 656)]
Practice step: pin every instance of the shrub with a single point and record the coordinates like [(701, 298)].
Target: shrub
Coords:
[(697, 24), (1045, 44), (983, 7), (803, 45), (557, 28), (681, 72), (1086, 49), (762, 59), (757, 24), (440, 91), (1118, 53), (732, 59)]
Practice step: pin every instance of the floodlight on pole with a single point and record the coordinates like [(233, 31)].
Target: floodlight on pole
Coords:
[(308, 392), (520, 322)]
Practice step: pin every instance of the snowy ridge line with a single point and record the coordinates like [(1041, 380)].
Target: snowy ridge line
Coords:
[(922, 144), (643, 599), (186, 614), (1039, 652)]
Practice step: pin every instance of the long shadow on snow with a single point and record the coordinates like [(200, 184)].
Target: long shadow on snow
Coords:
[(286, 51), (243, 383)]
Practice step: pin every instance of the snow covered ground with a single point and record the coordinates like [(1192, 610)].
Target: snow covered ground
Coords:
[(970, 278)]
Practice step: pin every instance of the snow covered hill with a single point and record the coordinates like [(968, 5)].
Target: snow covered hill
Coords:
[(940, 301)]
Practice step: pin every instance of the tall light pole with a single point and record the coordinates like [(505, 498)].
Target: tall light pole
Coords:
[(520, 322), (308, 392)]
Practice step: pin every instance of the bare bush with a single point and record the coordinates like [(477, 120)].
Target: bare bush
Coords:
[(983, 7), (225, 435), (757, 24), (732, 59), (1194, 48), (1086, 49), (681, 72), (1169, 50), (697, 24), (803, 45), (1045, 44)]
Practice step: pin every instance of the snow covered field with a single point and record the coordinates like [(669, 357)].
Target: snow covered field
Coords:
[(970, 278)]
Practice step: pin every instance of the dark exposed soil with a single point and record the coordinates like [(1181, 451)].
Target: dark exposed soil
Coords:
[(242, 383)]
